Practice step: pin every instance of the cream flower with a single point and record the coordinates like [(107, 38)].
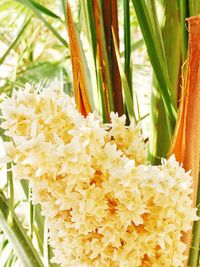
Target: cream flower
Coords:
[(103, 204)]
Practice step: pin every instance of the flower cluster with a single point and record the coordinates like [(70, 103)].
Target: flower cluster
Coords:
[(104, 205)]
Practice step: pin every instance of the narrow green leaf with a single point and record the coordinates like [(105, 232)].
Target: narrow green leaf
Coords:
[(45, 246), (25, 187), (38, 218), (194, 6), (15, 259), (184, 13), (9, 261), (144, 116), (168, 34), (44, 10), (171, 34), (31, 214), (152, 10), (4, 244), (138, 44), (156, 57), (102, 96), (15, 41), (160, 128), (43, 72), (63, 3), (11, 187), (47, 24), (88, 28), (138, 106), (18, 237), (89, 16), (5, 254), (39, 240), (125, 86), (28, 45), (127, 43)]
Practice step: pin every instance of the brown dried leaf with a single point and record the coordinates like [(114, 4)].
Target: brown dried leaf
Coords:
[(186, 143), (79, 75), (110, 17)]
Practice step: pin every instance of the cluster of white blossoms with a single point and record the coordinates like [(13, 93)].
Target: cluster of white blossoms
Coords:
[(104, 205)]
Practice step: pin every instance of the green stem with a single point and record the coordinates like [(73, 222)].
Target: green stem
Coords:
[(127, 43), (18, 237), (10, 187), (38, 218), (45, 246), (31, 214)]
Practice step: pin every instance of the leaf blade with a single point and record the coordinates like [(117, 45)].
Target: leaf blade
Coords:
[(125, 86), (17, 237), (155, 55), (15, 41), (47, 24), (79, 75)]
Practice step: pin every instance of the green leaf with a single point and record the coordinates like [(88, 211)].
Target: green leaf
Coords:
[(156, 57), (44, 10), (102, 96), (18, 237), (138, 44), (63, 3), (15, 41), (88, 28), (9, 261), (40, 72), (161, 129), (184, 13), (38, 218), (127, 43), (171, 34), (125, 86), (31, 214), (47, 24), (194, 6), (11, 188), (90, 24)]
